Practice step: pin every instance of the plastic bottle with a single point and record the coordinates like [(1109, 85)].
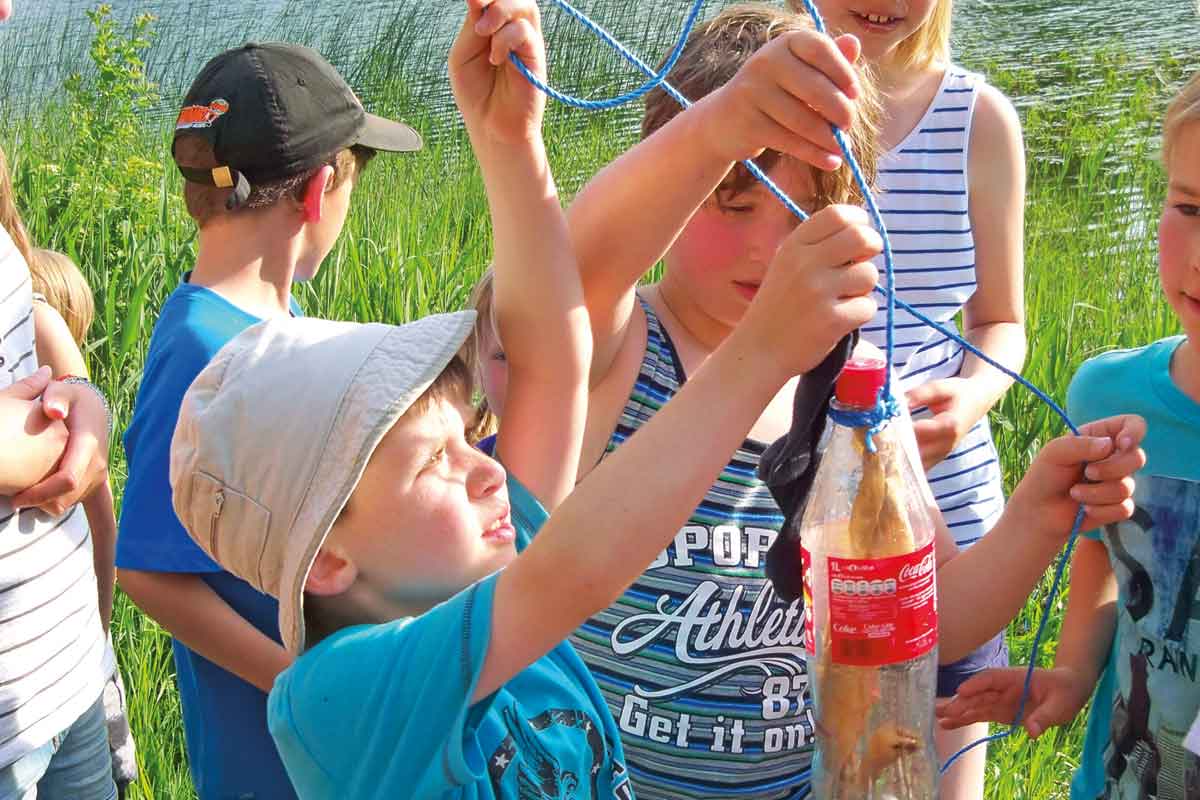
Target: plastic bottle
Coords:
[(867, 539)]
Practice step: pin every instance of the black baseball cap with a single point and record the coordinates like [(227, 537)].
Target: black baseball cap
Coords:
[(270, 111)]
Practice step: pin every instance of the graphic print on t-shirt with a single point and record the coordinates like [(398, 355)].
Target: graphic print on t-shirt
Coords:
[(522, 760), (1156, 559)]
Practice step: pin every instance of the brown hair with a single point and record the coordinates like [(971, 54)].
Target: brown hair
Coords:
[(926, 45), (1184, 108), (10, 218), (714, 53), (205, 203), (56, 278), (486, 422)]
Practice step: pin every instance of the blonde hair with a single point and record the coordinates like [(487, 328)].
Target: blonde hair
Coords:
[(926, 45), (10, 218), (1184, 108), (205, 203), (486, 421), (716, 50), (56, 278)]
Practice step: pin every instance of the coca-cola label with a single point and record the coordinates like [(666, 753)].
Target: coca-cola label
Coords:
[(881, 610), (806, 583)]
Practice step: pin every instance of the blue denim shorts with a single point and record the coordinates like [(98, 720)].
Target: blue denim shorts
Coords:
[(993, 653), (74, 765)]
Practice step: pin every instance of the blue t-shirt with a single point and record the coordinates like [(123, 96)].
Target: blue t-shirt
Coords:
[(230, 752), (1148, 695), (384, 711)]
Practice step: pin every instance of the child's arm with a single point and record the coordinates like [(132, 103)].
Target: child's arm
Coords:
[(56, 349), (1005, 564), (539, 308), (629, 214), (33, 442), (197, 616), (994, 317), (102, 522), (1055, 695), (618, 519)]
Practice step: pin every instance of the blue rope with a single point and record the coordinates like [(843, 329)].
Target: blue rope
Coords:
[(887, 406), (874, 420)]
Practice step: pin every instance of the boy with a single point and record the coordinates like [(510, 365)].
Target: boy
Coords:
[(271, 142), (1130, 613), (681, 196)]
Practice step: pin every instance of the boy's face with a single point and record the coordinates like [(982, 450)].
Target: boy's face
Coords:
[(1179, 230), (721, 257), (900, 19), (430, 515)]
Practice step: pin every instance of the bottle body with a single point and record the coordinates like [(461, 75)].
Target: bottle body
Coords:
[(867, 538)]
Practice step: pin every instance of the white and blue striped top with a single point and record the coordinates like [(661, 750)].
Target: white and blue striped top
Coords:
[(923, 185)]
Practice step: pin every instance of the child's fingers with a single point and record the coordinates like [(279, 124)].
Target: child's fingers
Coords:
[(1103, 494), (827, 222), (808, 87), (929, 394), (1073, 451), (821, 53), (773, 135), (1098, 516), (798, 120), (1127, 430), (1118, 465), (517, 36), (30, 386)]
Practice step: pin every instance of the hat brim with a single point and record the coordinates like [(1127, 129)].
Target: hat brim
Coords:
[(388, 136)]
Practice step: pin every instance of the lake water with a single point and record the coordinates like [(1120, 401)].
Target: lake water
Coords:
[(47, 39)]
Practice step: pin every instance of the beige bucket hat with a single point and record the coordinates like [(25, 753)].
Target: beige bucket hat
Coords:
[(275, 433)]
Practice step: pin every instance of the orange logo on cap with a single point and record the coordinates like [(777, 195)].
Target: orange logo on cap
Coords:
[(201, 116)]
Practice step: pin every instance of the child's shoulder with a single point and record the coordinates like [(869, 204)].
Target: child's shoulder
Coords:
[(194, 323), (1103, 384)]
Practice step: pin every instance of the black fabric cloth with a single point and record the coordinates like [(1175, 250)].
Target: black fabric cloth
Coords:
[(790, 464)]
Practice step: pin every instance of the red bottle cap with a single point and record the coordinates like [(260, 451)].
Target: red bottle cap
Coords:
[(860, 382)]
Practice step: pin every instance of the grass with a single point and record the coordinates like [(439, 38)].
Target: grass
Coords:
[(93, 176)]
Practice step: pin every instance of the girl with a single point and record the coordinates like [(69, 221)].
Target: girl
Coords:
[(62, 314), (952, 190)]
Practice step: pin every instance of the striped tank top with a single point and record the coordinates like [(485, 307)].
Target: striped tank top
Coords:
[(923, 198), (699, 661)]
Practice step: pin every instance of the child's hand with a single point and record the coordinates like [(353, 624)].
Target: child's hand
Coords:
[(1049, 495), (954, 413), (84, 463), (785, 98), (496, 100), (817, 289), (1055, 698)]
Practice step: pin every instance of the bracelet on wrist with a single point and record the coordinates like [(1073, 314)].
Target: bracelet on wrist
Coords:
[(82, 381)]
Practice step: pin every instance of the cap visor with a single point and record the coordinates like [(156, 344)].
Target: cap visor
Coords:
[(389, 136)]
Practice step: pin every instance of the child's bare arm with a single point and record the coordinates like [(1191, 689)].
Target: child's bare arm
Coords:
[(618, 519), (628, 215), (33, 443), (56, 347), (102, 523), (1056, 695), (197, 616), (539, 308), (994, 317), (1006, 563)]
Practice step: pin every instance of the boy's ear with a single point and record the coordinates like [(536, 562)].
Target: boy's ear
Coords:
[(314, 193), (332, 572)]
